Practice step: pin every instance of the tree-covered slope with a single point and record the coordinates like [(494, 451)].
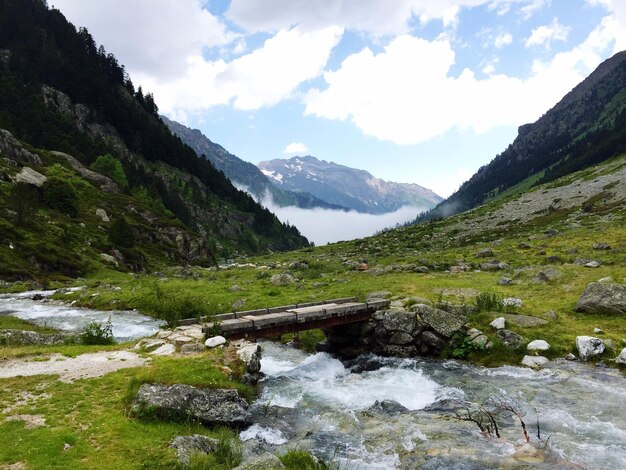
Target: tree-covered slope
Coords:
[(586, 127), (59, 91)]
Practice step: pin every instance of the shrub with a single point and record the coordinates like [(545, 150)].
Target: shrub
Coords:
[(488, 301), (108, 165), (301, 460), (60, 195), (98, 333), (24, 200), (121, 233)]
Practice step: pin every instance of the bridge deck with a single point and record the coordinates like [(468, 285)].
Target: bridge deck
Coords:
[(291, 318)]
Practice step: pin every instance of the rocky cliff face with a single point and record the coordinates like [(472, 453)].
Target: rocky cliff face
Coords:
[(586, 127), (348, 187)]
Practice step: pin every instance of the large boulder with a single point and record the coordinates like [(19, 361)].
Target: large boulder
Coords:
[(588, 347), (13, 149), (444, 323), (283, 279), (30, 176), (399, 320), (603, 297), (211, 407)]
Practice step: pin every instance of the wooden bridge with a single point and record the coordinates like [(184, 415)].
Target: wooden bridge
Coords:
[(272, 322)]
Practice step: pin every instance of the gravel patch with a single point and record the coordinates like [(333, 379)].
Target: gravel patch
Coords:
[(70, 369)]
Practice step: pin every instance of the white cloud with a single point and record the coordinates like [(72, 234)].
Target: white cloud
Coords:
[(406, 94), (295, 148), (377, 17), (154, 37), (447, 184), (261, 78), (503, 40), (544, 35), (324, 226), (618, 10)]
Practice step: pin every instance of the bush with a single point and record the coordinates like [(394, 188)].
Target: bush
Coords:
[(98, 333), (121, 233), (301, 460), (108, 165), (488, 301), (24, 200), (60, 195)]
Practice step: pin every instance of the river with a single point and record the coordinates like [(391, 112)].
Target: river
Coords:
[(126, 324), (333, 409)]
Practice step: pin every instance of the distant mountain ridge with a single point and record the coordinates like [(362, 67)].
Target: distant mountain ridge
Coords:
[(242, 173), (345, 186), (586, 127)]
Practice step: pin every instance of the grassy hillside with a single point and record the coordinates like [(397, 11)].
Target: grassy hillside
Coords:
[(532, 233)]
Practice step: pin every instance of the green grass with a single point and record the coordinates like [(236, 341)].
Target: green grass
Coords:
[(8, 322), (92, 415)]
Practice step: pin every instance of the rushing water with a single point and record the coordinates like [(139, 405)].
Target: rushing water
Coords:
[(126, 324), (317, 403)]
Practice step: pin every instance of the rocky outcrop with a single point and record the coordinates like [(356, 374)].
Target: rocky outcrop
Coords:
[(603, 297), (180, 402), (29, 176), (14, 150), (397, 332), (105, 183)]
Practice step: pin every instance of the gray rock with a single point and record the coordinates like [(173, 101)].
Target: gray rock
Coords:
[(525, 321), (237, 304), (210, 407), (602, 297), (498, 323), (535, 362), (538, 345), (214, 341), (524, 246), (481, 341), (621, 359), (165, 350), (445, 323), (399, 320), (388, 407), (109, 259), (494, 265), (30, 176), (571, 357), (283, 280), (192, 348), (393, 350), (588, 347), (601, 246), (593, 264), (548, 275), (103, 215), (14, 150), (265, 461), (185, 446), (435, 342), (484, 253), (473, 333), (235, 288), (505, 281), (400, 338), (511, 339)]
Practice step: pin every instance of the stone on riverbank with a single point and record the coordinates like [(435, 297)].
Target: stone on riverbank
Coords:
[(181, 402), (538, 345), (588, 347), (621, 359), (25, 338), (535, 362)]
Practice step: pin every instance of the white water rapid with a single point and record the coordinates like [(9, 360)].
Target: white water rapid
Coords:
[(383, 413)]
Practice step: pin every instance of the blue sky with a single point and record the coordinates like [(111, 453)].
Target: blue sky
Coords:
[(411, 90)]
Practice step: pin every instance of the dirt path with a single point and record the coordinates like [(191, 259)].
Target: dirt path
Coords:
[(70, 369)]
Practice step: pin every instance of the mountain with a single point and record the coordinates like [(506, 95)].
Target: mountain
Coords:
[(242, 173), (586, 127), (70, 113), (345, 186)]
